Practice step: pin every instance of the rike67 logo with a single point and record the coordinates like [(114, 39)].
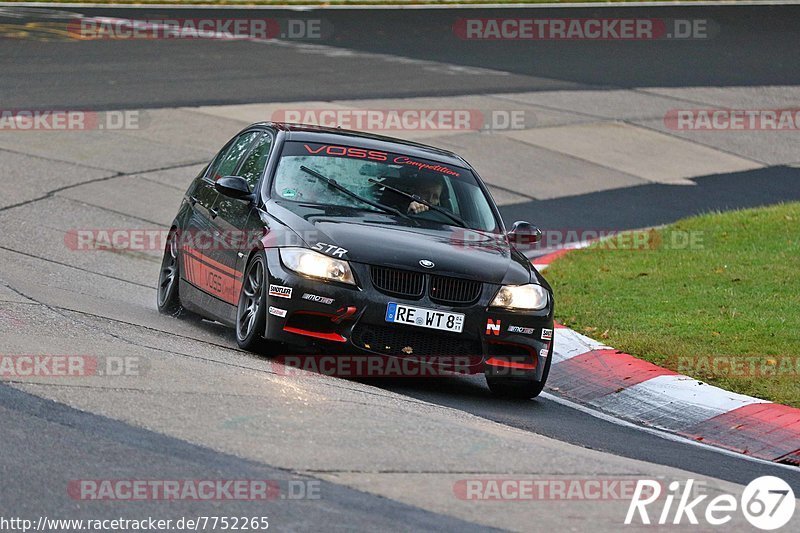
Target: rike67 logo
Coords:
[(767, 503)]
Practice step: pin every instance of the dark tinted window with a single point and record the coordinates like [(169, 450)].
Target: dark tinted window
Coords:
[(253, 166), (228, 161)]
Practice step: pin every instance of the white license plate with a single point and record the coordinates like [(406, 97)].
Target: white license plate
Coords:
[(424, 318)]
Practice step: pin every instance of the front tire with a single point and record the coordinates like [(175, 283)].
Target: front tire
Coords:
[(251, 311), (518, 387), (169, 301)]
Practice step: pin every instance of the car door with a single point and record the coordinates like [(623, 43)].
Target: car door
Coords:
[(231, 218), (201, 267)]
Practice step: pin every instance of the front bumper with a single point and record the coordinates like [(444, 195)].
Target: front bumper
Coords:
[(318, 317)]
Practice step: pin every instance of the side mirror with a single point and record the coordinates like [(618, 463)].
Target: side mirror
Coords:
[(234, 187), (524, 234)]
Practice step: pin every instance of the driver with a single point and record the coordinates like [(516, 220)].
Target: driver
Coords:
[(429, 188), (425, 184)]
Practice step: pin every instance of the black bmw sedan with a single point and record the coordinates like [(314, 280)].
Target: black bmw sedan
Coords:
[(337, 242)]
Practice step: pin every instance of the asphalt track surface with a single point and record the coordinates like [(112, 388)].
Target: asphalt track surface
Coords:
[(35, 427), (755, 48), (48, 73), (407, 53)]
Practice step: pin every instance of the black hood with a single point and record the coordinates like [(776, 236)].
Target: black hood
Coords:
[(375, 238)]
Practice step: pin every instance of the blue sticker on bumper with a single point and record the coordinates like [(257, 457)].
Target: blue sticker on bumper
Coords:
[(391, 311)]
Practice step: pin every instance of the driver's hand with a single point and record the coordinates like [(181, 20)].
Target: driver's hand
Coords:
[(416, 207)]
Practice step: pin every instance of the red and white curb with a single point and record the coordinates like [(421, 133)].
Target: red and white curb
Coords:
[(590, 373)]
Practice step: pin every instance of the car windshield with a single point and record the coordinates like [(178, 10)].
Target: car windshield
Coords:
[(372, 174)]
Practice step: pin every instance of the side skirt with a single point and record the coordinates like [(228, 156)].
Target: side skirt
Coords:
[(205, 305)]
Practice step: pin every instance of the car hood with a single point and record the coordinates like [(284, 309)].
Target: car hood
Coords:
[(378, 239)]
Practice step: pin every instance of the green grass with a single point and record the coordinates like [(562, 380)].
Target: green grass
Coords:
[(733, 295)]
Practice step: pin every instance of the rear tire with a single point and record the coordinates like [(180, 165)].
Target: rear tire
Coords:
[(518, 387), (169, 301)]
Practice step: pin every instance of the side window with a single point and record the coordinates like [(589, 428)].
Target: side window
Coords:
[(253, 166), (227, 162)]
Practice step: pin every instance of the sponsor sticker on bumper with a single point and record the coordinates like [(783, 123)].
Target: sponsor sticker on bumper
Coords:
[(280, 291), (316, 298), (277, 311)]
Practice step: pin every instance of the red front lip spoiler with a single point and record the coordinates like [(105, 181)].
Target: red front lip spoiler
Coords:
[(316, 334), (343, 313), (494, 361)]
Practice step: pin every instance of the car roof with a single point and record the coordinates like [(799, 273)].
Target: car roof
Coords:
[(323, 134)]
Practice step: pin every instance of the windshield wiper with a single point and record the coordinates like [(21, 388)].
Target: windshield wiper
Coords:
[(335, 185), (415, 197)]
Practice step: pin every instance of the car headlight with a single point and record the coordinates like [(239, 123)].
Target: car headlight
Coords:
[(317, 265), (530, 296)]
